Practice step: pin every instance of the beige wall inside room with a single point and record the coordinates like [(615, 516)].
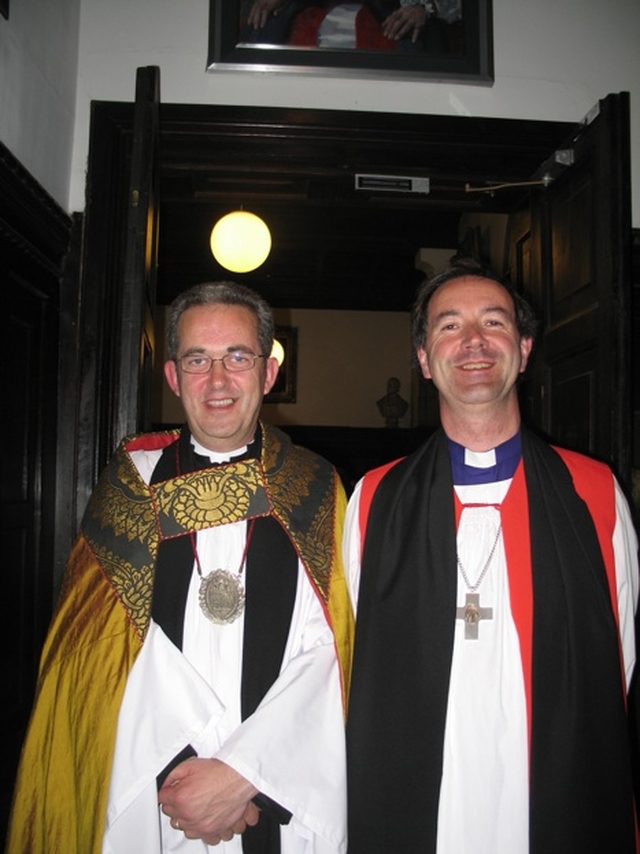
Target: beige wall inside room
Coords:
[(344, 361)]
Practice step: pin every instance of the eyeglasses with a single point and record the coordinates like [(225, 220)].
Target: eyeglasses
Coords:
[(200, 363)]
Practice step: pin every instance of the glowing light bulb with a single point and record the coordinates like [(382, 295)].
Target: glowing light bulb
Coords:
[(240, 241)]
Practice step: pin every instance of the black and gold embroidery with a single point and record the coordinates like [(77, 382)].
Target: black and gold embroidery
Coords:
[(211, 497), (126, 519), (120, 504), (134, 585)]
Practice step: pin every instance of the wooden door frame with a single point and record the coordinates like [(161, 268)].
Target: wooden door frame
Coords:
[(111, 141), (610, 176), (34, 240)]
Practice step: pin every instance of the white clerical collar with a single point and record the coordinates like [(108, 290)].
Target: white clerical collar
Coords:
[(480, 459), (476, 467), (217, 456)]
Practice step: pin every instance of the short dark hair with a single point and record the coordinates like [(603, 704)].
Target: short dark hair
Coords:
[(221, 293), (526, 322)]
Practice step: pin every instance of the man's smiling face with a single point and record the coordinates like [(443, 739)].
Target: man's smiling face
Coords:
[(473, 351), (221, 407)]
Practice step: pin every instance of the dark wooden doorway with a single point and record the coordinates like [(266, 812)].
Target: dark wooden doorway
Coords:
[(34, 239), (341, 246), (570, 253)]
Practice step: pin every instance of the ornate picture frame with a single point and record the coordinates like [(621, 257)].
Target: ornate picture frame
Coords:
[(456, 50)]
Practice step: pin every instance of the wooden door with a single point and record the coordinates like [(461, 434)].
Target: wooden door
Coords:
[(571, 255), (132, 399), (106, 388), (34, 235)]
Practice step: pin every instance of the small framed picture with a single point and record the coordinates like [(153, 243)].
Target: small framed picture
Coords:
[(284, 389)]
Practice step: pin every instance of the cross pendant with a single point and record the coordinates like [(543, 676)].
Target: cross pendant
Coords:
[(472, 613)]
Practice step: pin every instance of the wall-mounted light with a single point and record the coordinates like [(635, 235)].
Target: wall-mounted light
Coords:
[(240, 241), (277, 352)]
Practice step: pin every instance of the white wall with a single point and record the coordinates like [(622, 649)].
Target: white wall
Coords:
[(38, 67), (553, 60)]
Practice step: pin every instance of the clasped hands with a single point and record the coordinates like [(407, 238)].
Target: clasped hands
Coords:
[(207, 799)]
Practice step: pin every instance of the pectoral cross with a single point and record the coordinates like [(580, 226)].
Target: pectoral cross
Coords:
[(472, 613)]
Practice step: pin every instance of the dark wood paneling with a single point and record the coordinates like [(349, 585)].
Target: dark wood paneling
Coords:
[(136, 298), (572, 386), (356, 450), (583, 284), (34, 235), (333, 246), (99, 295), (635, 350)]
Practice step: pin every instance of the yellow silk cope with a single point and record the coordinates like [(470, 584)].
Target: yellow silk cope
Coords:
[(105, 605)]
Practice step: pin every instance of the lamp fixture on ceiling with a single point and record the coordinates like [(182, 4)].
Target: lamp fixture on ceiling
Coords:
[(240, 241)]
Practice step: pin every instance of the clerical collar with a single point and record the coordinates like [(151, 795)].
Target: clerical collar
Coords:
[(218, 457), (473, 467)]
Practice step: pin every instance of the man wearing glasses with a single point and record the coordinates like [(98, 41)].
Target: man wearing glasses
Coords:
[(191, 688)]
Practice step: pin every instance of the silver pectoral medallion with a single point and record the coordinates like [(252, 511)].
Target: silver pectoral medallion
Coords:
[(221, 596)]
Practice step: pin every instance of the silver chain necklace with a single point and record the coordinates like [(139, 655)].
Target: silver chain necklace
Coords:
[(472, 612), (473, 587)]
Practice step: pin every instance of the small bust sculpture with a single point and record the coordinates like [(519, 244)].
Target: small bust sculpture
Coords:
[(392, 406)]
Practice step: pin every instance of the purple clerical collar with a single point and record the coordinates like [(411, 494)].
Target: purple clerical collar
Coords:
[(471, 467)]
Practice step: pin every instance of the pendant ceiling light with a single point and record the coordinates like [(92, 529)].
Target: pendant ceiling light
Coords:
[(240, 241)]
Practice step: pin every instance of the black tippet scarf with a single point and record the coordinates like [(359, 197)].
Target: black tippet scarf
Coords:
[(581, 798), (270, 590)]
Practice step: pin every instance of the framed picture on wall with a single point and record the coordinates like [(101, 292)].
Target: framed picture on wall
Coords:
[(453, 38), (284, 389)]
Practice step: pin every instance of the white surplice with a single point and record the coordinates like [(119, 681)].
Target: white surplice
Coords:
[(291, 748), (484, 798)]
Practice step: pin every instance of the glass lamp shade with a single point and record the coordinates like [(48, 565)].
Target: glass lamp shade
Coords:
[(240, 241), (277, 352)]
